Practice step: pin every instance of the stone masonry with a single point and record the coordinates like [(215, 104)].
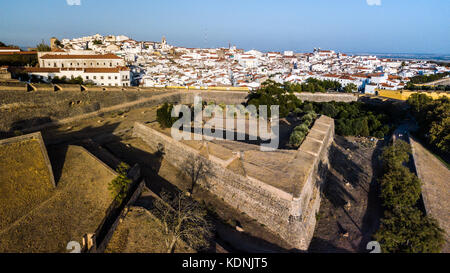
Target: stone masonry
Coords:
[(291, 214)]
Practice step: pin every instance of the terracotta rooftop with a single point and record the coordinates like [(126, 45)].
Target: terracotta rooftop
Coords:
[(71, 57)]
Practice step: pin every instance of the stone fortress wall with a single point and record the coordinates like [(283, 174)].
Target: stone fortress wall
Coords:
[(292, 215), (45, 105)]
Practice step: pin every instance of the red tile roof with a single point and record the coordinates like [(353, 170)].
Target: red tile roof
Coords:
[(105, 70), (71, 57), (41, 70)]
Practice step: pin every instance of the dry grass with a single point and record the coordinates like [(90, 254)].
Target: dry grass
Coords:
[(77, 207), (24, 180), (140, 232)]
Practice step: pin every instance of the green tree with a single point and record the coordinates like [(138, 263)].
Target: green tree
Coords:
[(400, 188), (296, 138), (43, 47), (407, 230), (395, 155), (351, 87), (419, 102), (328, 109), (273, 94), (433, 119), (120, 185)]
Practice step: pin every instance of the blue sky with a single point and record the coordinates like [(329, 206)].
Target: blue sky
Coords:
[(385, 26)]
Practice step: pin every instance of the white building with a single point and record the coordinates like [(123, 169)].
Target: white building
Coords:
[(9, 49), (103, 70), (117, 76), (79, 61)]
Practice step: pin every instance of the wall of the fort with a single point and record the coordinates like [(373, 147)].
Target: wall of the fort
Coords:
[(22, 109), (237, 97), (327, 97), (291, 215), (405, 94)]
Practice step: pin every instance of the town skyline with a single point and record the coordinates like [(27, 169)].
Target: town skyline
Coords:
[(298, 26)]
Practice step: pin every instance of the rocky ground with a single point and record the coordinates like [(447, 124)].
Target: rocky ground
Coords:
[(350, 208)]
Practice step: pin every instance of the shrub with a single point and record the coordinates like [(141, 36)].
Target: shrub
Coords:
[(302, 128), (308, 107), (395, 155), (164, 116), (119, 186), (328, 109), (273, 94), (307, 118), (400, 188), (407, 230), (297, 138), (298, 111)]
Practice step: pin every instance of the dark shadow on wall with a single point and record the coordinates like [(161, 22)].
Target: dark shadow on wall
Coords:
[(371, 219), (226, 236), (17, 127), (58, 148), (335, 192), (57, 156)]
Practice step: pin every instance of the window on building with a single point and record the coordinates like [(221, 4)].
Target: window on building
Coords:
[(95, 77), (102, 77), (115, 77), (87, 77), (109, 77)]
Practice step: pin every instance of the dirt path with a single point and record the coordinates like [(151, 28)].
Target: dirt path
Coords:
[(350, 209)]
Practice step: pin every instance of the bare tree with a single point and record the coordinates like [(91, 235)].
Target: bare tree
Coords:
[(197, 169), (183, 219)]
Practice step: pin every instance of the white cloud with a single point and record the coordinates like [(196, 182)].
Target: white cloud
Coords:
[(373, 2), (74, 2)]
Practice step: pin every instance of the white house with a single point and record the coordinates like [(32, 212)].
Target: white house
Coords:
[(117, 76), (79, 61)]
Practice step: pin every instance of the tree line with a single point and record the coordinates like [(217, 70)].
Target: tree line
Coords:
[(354, 118), (413, 87), (321, 86), (404, 227), (420, 79), (433, 118)]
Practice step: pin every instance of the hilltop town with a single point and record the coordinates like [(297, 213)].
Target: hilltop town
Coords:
[(89, 162), (124, 62), (160, 64)]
